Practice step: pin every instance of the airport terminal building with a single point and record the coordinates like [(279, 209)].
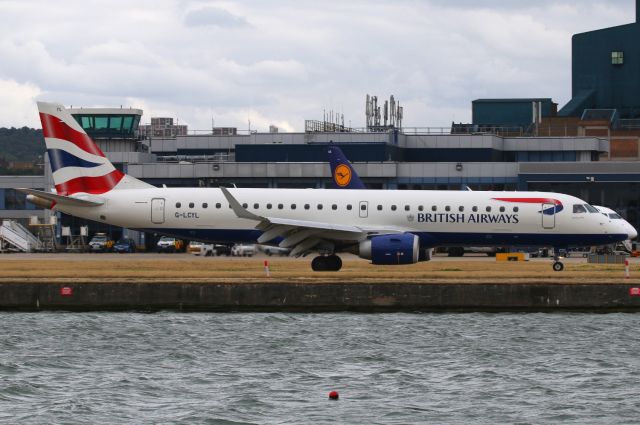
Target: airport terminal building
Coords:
[(589, 148)]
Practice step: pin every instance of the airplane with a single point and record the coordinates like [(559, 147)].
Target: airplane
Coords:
[(617, 218), (344, 176), (387, 227)]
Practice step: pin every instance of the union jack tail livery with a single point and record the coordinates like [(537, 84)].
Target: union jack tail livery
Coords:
[(77, 163)]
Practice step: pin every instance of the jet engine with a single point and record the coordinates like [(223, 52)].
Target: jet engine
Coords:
[(391, 249), (39, 202)]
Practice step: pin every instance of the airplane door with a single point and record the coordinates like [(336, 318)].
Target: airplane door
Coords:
[(364, 209), (548, 220), (157, 210)]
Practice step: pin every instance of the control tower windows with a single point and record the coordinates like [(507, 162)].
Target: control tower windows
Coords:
[(617, 58)]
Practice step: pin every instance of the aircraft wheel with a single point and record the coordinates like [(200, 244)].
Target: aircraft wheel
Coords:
[(319, 264), (558, 266), (335, 263)]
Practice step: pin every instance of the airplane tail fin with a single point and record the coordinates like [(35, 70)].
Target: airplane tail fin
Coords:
[(77, 163), (344, 176)]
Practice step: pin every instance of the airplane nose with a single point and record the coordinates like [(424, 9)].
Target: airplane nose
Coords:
[(633, 233)]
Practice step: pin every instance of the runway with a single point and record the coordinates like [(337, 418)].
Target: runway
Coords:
[(152, 282)]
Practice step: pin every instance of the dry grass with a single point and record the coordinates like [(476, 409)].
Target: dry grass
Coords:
[(193, 269)]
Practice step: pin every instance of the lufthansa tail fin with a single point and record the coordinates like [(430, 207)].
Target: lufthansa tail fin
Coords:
[(77, 163), (342, 172)]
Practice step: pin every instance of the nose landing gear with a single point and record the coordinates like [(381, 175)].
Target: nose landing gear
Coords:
[(326, 263), (557, 264)]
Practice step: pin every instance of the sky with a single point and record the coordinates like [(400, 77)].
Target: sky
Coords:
[(279, 62)]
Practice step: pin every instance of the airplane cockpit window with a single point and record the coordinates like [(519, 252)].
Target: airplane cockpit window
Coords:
[(579, 209), (615, 216), (591, 209)]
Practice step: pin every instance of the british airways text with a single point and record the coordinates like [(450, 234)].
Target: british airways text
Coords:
[(467, 218)]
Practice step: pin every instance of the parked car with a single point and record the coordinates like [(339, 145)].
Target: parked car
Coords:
[(169, 244), (243, 250), (124, 245), (100, 243), (201, 248)]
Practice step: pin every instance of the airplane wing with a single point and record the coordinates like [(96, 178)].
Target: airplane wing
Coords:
[(303, 236)]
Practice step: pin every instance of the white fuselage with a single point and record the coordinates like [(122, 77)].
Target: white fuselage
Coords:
[(438, 217)]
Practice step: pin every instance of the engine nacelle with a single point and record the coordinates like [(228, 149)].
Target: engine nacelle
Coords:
[(391, 249)]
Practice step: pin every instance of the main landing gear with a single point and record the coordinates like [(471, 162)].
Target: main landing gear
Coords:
[(326, 263), (557, 264)]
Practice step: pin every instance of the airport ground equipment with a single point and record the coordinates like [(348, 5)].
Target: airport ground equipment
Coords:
[(16, 236)]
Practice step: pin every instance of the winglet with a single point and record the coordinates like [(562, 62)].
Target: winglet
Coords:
[(238, 209), (344, 176)]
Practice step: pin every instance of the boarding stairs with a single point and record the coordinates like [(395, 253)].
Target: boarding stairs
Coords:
[(16, 237)]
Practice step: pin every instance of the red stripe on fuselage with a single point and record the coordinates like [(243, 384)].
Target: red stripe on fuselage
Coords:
[(93, 185), (52, 126), (531, 200)]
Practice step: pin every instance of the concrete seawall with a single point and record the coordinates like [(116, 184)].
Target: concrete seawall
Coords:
[(312, 297)]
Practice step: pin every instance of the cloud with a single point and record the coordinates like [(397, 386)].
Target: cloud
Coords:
[(18, 105), (215, 17), (284, 61)]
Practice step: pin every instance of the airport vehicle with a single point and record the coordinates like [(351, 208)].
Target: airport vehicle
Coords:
[(385, 226), (169, 244), (243, 250), (100, 243), (201, 248), (124, 245)]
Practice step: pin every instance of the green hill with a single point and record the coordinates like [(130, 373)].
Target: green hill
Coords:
[(21, 150)]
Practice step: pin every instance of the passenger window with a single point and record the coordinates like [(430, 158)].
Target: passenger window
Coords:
[(319, 206), (306, 206), (407, 208), (280, 206), (379, 207), (191, 205), (461, 208), (218, 205), (393, 208), (516, 209), (474, 209), (256, 206), (434, 208), (501, 209), (447, 208), (245, 205), (205, 205), (334, 207), (488, 209), (293, 206), (363, 207), (421, 208), (269, 206), (349, 207), (579, 209), (178, 204)]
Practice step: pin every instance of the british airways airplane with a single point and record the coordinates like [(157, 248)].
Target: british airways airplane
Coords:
[(384, 226)]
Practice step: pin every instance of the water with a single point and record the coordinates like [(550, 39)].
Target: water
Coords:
[(278, 368)]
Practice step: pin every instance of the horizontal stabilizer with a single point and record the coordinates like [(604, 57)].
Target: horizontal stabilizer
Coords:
[(79, 201)]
